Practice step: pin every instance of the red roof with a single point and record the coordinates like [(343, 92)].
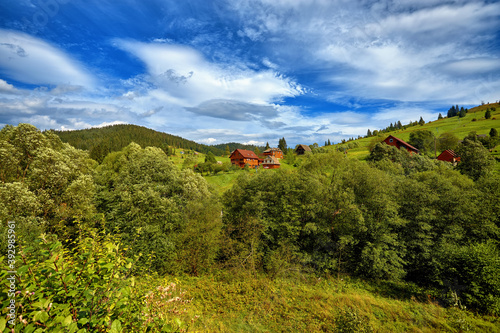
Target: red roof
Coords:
[(245, 153), (451, 152), (449, 155), (403, 143)]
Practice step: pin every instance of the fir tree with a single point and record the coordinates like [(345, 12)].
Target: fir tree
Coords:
[(487, 115)]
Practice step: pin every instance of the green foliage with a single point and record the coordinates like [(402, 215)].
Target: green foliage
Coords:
[(45, 182), (282, 145), (86, 289), (147, 201), (210, 158), (102, 141), (423, 140), (487, 114), (473, 273), (476, 162), (348, 320), (447, 141)]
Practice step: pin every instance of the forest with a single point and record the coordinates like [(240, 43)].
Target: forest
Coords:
[(99, 142), (100, 244)]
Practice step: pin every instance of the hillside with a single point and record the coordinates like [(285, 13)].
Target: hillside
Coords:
[(460, 127), (101, 141)]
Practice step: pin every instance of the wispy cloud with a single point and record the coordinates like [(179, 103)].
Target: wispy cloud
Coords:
[(31, 60)]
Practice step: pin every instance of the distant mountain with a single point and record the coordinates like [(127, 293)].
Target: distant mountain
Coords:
[(101, 141)]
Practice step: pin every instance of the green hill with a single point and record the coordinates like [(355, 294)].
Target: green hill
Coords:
[(101, 141), (460, 127)]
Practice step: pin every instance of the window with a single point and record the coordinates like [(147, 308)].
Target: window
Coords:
[(390, 140)]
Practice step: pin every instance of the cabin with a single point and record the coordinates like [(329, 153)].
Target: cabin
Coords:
[(276, 152), (449, 156), (302, 149), (271, 162), (398, 143), (241, 157)]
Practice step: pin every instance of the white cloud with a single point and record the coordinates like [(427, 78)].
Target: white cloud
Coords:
[(104, 124), (184, 77), (7, 88), (208, 141), (31, 60), (254, 142)]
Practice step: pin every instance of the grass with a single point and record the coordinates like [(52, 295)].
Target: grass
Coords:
[(244, 302)]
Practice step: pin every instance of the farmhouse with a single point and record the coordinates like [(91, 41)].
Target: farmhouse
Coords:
[(271, 162), (276, 152), (449, 156), (241, 157), (398, 143), (301, 149)]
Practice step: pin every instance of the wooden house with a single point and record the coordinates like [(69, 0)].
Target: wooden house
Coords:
[(276, 152), (271, 162), (241, 157), (302, 149), (398, 143), (449, 156)]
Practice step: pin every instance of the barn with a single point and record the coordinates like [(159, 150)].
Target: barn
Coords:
[(241, 157), (398, 143)]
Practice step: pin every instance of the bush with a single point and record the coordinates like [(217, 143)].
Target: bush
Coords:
[(86, 289), (473, 273)]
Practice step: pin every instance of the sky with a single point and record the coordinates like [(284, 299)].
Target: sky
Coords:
[(248, 71)]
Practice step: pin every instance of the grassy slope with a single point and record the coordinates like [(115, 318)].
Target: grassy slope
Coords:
[(458, 126), (247, 303)]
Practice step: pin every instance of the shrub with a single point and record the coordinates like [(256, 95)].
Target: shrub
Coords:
[(86, 289), (473, 272)]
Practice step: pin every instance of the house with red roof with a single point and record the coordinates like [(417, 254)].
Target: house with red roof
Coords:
[(241, 157), (449, 156), (398, 143)]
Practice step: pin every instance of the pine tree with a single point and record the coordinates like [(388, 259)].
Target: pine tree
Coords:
[(452, 112), (329, 143), (421, 121), (487, 115), (400, 126), (267, 146), (282, 145), (462, 113), (227, 152), (440, 116), (369, 133)]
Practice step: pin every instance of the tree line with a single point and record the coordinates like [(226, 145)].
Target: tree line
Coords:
[(102, 141)]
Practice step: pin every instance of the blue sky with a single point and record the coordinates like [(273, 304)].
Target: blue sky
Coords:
[(249, 71)]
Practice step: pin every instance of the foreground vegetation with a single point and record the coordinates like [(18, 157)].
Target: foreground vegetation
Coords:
[(137, 243)]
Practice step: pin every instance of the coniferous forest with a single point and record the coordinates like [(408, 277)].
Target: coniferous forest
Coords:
[(124, 240)]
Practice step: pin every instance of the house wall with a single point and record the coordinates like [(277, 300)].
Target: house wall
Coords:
[(239, 160)]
